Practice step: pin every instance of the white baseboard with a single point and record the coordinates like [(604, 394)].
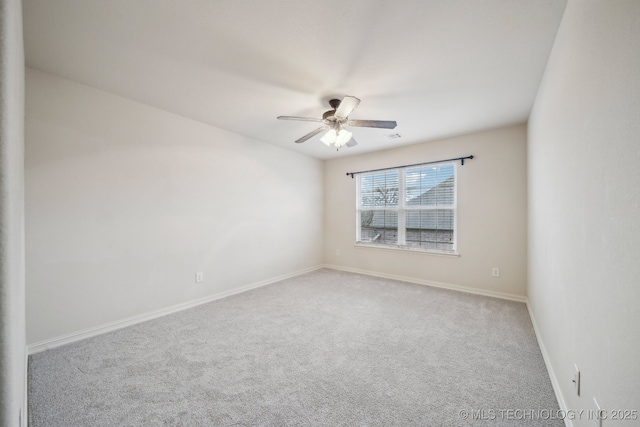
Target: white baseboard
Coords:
[(552, 375), (501, 295), (108, 327)]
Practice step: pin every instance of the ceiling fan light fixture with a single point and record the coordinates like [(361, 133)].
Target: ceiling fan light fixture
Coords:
[(343, 137), (337, 138), (329, 137)]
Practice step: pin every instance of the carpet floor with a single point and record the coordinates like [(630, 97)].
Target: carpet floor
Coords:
[(325, 348)]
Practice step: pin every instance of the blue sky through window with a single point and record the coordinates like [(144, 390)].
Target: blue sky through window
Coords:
[(422, 179), (418, 181)]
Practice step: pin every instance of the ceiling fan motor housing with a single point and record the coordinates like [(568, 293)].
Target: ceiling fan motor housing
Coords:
[(335, 103), (328, 114)]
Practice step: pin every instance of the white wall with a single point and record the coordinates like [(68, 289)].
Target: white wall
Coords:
[(12, 276), (491, 213), (584, 204), (125, 203)]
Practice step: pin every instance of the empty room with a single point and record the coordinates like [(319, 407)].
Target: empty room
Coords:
[(284, 213)]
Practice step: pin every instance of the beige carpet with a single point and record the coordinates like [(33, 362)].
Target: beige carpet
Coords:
[(325, 348)]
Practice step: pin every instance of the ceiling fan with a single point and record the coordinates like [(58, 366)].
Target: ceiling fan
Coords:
[(334, 121)]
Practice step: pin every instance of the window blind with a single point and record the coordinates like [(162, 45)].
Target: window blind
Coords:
[(411, 207)]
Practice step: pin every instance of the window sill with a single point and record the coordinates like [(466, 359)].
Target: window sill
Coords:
[(406, 249)]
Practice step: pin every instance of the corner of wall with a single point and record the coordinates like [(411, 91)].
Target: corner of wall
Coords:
[(12, 242), (547, 361)]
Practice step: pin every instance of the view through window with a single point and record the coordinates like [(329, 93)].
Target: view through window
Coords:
[(412, 207)]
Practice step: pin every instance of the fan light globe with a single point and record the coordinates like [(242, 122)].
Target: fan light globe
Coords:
[(343, 137), (329, 137), (336, 138)]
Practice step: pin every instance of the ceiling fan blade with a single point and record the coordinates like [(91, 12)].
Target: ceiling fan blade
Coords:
[(303, 119), (311, 134), (385, 124), (348, 104), (352, 142)]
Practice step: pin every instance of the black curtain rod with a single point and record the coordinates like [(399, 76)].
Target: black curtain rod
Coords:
[(462, 159)]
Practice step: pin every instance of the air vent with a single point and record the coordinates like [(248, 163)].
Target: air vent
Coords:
[(393, 136)]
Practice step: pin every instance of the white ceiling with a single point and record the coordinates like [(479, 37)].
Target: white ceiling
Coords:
[(437, 67)]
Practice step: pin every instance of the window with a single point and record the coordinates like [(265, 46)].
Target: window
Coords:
[(410, 208)]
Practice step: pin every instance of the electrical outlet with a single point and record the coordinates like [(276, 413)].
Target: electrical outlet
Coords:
[(337, 252), (576, 379), (199, 277), (495, 272)]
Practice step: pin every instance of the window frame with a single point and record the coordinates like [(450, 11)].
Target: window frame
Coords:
[(402, 209)]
